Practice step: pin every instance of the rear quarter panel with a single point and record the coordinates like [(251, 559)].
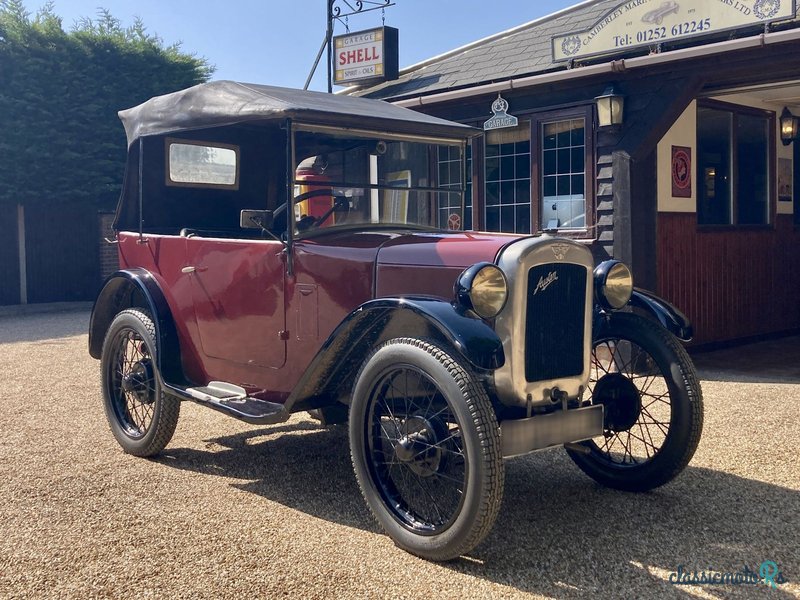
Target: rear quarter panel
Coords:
[(164, 257)]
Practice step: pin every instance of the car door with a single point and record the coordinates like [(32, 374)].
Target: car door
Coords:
[(238, 296)]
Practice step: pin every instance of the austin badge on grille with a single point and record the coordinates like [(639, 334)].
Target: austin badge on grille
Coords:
[(560, 250)]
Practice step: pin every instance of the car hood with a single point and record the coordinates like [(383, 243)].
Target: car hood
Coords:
[(429, 263), (458, 249), (359, 265)]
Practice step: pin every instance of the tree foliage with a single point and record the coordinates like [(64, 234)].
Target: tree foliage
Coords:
[(60, 137)]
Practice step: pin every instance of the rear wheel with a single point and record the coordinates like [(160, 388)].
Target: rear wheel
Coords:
[(653, 405), (425, 446), (141, 416)]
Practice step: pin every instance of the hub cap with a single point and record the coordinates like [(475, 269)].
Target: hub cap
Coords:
[(418, 447), (139, 381), (621, 400)]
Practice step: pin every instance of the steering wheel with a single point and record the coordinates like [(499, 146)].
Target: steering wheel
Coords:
[(339, 202)]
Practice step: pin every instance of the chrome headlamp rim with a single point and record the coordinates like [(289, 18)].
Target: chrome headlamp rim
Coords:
[(622, 287), (464, 291)]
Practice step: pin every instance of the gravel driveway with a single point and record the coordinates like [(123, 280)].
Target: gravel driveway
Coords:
[(232, 510)]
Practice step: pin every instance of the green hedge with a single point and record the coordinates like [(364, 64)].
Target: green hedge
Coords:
[(60, 138)]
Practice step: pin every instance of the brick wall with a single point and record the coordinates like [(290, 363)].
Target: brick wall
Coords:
[(109, 260)]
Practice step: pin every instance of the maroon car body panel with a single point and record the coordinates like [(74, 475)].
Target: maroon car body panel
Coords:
[(237, 292), (164, 257), (333, 274), (241, 319), (444, 249)]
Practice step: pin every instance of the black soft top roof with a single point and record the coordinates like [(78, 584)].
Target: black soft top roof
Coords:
[(228, 102)]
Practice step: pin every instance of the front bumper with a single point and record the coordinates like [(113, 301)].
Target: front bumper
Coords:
[(521, 436)]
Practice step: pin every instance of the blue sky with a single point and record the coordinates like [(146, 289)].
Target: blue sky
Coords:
[(275, 41)]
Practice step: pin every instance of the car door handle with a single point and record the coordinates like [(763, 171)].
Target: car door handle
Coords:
[(188, 269)]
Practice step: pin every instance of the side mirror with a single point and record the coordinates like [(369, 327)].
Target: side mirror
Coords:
[(255, 219)]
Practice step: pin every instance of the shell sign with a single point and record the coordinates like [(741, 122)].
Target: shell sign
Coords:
[(650, 22), (369, 55)]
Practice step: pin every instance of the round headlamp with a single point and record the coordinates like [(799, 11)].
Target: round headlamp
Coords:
[(613, 284), (482, 288)]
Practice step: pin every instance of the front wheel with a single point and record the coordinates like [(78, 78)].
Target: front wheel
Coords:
[(141, 416), (425, 446), (653, 405)]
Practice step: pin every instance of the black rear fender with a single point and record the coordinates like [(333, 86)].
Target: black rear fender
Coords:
[(330, 376), (137, 288)]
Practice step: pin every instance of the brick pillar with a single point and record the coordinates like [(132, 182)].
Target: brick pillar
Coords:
[(109, 259)]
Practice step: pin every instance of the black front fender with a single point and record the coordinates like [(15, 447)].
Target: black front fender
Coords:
[(337, 362), (137, 288), (665, 313)]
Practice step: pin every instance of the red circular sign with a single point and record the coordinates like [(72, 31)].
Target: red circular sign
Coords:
[(454, 221), (681, 169)]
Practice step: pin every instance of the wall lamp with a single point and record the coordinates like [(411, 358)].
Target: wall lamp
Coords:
[(610, 107), (789, 125)]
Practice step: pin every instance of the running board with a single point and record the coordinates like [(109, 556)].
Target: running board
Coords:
[(234, 402)]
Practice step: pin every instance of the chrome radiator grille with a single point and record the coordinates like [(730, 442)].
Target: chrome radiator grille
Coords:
[(554, 326)]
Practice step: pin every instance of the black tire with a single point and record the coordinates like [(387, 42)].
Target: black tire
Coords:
[(142, 417), (653, 405), (426, 450)]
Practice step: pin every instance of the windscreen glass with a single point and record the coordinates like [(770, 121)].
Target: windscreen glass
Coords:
[(345, 180)]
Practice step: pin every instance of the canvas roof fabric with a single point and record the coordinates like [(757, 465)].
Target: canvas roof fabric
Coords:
[(221, 103)]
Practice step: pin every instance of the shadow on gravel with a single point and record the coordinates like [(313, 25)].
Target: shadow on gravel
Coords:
[(558, 533), (303, 466), (45, 328), (770, 361)]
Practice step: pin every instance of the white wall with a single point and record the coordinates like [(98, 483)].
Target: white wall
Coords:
[(682, 133)]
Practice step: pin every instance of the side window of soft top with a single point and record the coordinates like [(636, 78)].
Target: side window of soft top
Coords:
[(202, 164)]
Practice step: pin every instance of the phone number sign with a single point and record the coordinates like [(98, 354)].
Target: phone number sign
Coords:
[(646, 22)]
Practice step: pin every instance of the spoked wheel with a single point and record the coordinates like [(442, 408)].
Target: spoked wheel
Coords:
[(416, 450), (142, 417), (653, 405), (426, 449)]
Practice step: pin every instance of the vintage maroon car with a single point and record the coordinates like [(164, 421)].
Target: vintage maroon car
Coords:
[(287, 251)]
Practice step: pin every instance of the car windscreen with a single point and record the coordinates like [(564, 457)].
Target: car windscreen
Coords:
[(347, 179)]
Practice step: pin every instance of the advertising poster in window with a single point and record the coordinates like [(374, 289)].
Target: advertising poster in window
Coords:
[(395, 202), (681, 172), (785, 179)]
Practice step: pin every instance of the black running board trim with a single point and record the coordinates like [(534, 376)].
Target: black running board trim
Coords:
[(247, 409)]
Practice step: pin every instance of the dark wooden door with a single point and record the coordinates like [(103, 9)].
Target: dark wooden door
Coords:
[(9, 257), (61, 253)]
